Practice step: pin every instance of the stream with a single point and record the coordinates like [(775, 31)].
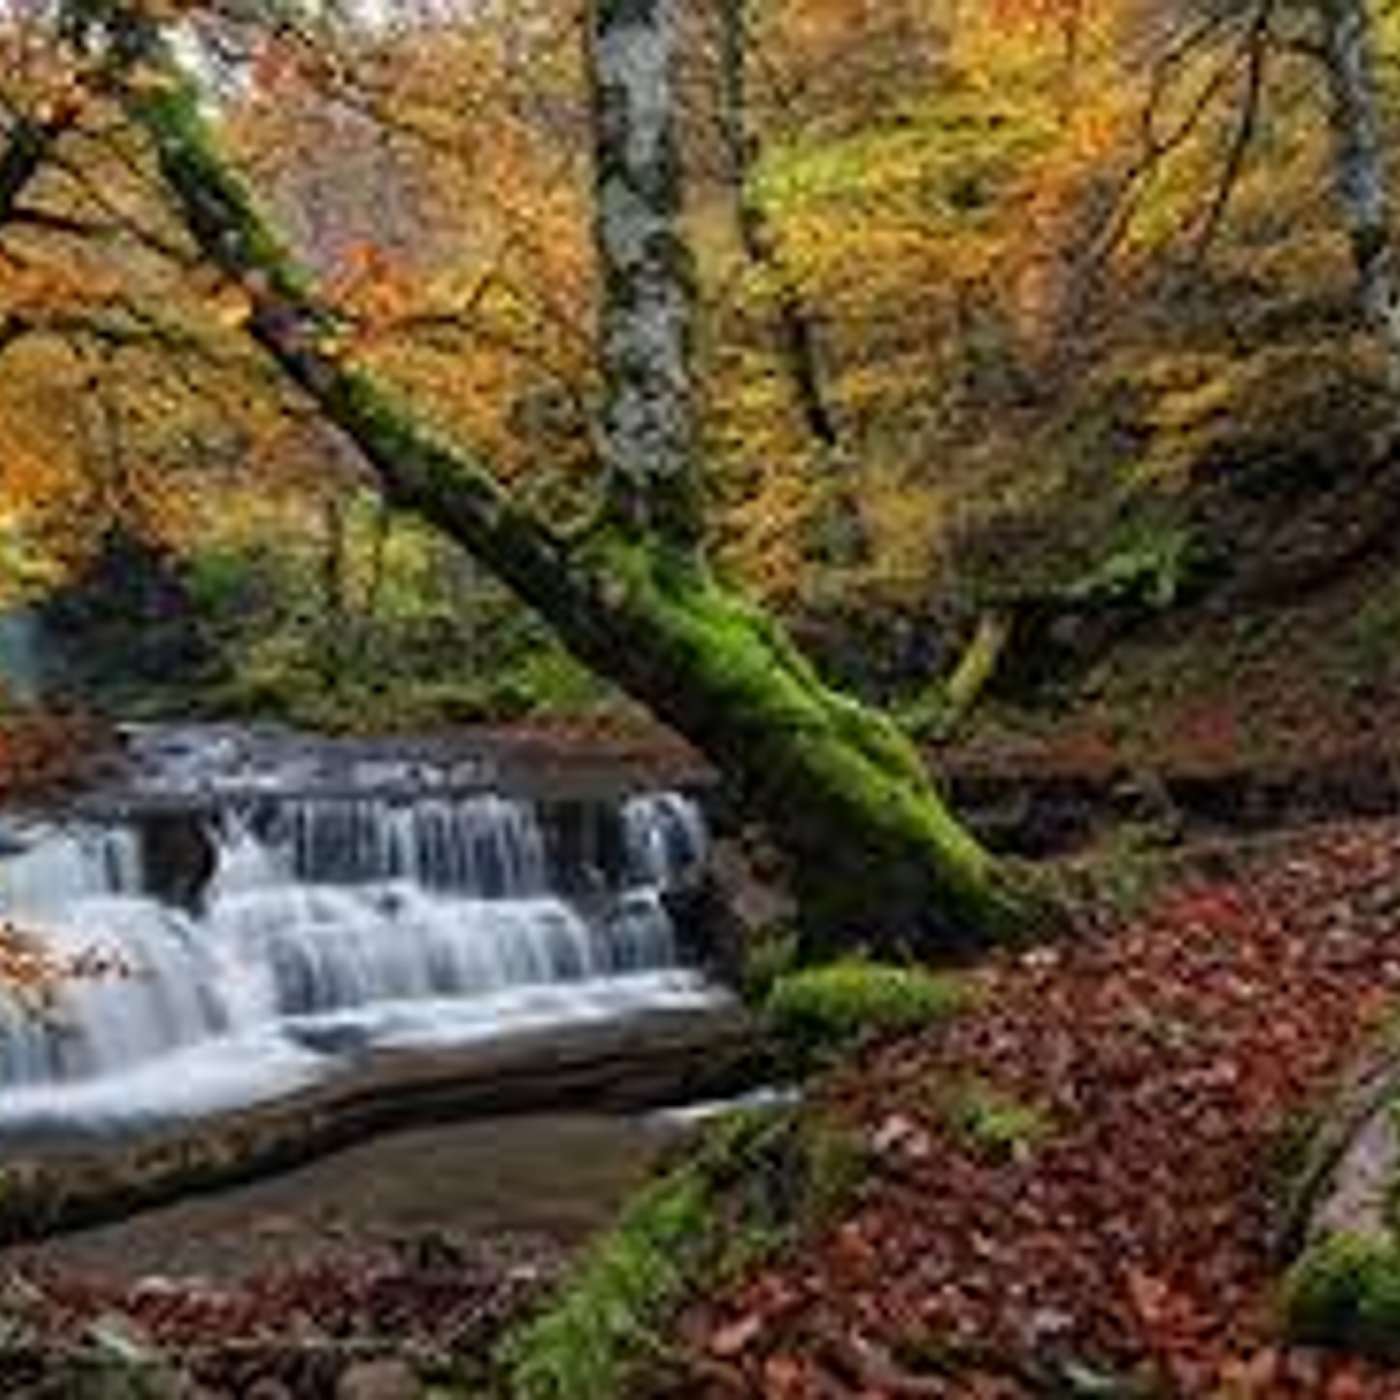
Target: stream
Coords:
[(268, 911)]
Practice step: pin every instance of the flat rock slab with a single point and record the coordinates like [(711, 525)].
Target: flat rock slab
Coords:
[(546, 1181), (647, 1061)]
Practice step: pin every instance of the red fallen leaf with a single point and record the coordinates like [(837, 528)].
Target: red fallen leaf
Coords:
[(1346, 1384), (734, 1338), (1254, 1375), (853, 1247), (784, 1378), (1151, 1298)]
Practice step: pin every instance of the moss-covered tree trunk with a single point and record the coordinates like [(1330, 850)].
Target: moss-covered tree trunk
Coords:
[(877, 856)]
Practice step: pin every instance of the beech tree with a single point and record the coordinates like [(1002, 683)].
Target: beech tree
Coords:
[(1347, 51), (797, 337), (877, 857)]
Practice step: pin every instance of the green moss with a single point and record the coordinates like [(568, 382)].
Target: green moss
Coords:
[(995, 1123), (929, 716), (844, 788), (1344, 1291), (755, 1180), (584, 1344), (1150, 565), (825, 1007)]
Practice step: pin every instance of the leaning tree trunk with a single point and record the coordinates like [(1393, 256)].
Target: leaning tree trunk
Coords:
[(877, 857), (1348, 55)]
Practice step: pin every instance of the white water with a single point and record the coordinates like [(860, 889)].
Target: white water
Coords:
[(331, 925)]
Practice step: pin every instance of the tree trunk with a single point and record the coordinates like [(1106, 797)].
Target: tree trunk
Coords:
[(374, 586), (796, 338), (1359, 165), (331, 641), (876, 855), (648, 301)]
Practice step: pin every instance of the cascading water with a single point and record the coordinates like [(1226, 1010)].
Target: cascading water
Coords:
[(331, 924)]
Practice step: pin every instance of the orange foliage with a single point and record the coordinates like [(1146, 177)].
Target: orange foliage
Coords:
[(42, 751)]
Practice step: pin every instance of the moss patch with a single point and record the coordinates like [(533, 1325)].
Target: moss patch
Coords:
[(994, 1123), (818, 1010), (1344, 1291)]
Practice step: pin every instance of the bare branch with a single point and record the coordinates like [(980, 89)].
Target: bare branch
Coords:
[(29, 144)]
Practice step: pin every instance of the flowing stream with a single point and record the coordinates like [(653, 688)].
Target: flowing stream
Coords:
[(266, 911)]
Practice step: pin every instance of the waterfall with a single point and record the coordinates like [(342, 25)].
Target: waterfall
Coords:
[(666, 837), (484, 844), (331, 924)]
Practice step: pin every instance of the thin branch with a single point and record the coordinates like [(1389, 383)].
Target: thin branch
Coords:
[(135, 229), (29, 144), (1157, 148)]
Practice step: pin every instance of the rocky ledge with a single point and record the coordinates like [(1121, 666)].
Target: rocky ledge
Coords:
[(648, 1061)]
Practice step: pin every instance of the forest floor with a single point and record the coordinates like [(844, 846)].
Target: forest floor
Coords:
[(1245, 678), (1149, 1080)]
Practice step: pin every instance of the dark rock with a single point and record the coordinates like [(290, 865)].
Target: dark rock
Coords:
[(709, 931), (177, 856)]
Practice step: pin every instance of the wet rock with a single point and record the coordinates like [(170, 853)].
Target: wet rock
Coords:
[(711, 930), (178, 856)]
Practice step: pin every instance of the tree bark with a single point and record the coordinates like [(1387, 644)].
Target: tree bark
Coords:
[(374, 586), (1359, 165), (876, 856), (648, 302), (331, 643)]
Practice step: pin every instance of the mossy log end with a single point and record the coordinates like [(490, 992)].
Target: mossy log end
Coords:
[(876, 855)]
